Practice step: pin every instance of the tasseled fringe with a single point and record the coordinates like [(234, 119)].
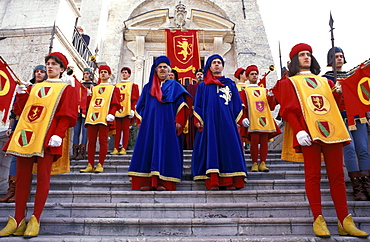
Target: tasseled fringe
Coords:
[(363, 120)]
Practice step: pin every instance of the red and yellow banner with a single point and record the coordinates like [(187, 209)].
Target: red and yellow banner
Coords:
[(183, 51), (7, 87), (356, 92)]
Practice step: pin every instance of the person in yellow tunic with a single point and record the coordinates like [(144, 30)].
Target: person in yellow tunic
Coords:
[(258, 124), (313, 122), (129, 94), (103, 105), (49, 109)]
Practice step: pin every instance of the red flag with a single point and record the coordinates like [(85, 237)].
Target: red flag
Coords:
[(356, 92), (7, 87), (183, 51)]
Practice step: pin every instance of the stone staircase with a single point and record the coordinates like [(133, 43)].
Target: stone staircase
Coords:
[(101, 207)]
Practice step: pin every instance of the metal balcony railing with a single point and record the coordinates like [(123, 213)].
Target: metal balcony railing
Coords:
[(82, 48)]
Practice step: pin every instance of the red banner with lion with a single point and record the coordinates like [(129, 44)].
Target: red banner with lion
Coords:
[(183, 51)]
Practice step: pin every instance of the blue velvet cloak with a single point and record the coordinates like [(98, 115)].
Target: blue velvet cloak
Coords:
[(158, 149), (218, 148)]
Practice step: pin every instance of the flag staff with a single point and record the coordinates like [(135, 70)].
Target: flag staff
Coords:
[(10, 69), (331, 22)]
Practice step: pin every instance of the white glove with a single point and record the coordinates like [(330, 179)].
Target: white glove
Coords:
[(55, 141), (338, 89), (270, 93), (303, 138), (132, 114), (245, 122), (110, 117), (89, 92), (20, 89)]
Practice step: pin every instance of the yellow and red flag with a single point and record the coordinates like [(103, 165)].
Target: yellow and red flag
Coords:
[(183, 51), (356, 92), (7, 87)]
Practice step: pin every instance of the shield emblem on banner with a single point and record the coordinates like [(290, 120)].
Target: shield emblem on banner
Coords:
[(123, 87), (98, 102), (101, 90), (260, 106), (262, 121), (318, 102), (365, 90), (25, 137), (324, 128), (35, 112), (311, 82), (183, 48), (95, 116), (43, 92), (257, 93)]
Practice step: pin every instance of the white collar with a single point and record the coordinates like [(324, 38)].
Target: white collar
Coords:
[(304, 73)]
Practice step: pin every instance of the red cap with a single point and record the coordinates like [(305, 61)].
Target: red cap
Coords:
[(251, 68), (105, 67), (61, 57), (126, 68), (237, 72), (298, 48)]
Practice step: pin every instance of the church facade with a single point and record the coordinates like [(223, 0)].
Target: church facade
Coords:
[(130, 33)]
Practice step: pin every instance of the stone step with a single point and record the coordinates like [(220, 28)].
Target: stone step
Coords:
[(246, 238), (174, 228), (185, 210), (122, 166), (120, 175), (296, 195), (125, 185)]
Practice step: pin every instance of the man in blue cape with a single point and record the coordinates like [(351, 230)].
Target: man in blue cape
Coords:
[(162, 109), (218, 157)]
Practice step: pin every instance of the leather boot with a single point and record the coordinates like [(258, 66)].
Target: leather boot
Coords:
[(11, 190), (74, 151), (349, 228), (366, 182), (81, 152), (358, 189)]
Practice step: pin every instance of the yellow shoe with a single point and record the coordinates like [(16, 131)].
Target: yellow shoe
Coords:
[(114, 152), (99, 168), (123, 151), (11, 228), (349, 228), (33, 228), (254, 167), (89, 168), (263, 167), (319, 227)]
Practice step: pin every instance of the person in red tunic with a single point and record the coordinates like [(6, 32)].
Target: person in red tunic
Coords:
[(129, 94), (258, 123), (49, 142), (314, 124), (103, 105)]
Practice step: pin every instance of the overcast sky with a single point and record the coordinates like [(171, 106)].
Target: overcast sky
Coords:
[(298, 21)]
